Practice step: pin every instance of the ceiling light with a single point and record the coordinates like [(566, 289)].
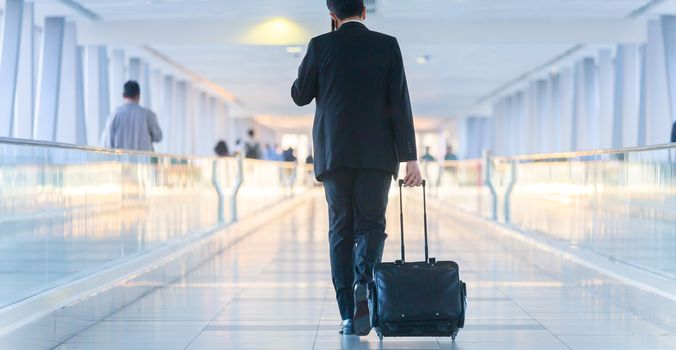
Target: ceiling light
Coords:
[(276, 31), (294, 49)]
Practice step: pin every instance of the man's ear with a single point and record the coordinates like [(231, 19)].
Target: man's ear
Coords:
[(363, 13), (334, 18)]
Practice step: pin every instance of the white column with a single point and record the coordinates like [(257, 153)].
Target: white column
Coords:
[(205, 125), (487, 128), (215, 120), (643, 108), (533, 123), (156, 101), (669, 35), (516, 120), (471, 139), (50, 79), (230, 127), (117, 77), (553, 133), (565, 126), (37, 54), (541, 115), (166, 118), (522, 122), (180, 122), (587, 108), (9, 62), (658, 114), (80, 119), (135, 69), (24, 109), (626, 96), (191, 118), (617, 101), (97, 91), (507, 128), (66, 125), (146, 86), (500, 117), (606, 86)]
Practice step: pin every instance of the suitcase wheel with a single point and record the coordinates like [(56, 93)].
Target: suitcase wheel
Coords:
[(380, 335), (454, 334)]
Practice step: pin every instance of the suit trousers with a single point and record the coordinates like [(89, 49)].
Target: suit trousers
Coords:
[(357, 200)]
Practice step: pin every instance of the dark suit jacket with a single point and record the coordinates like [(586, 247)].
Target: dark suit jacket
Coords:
[(363, 118)]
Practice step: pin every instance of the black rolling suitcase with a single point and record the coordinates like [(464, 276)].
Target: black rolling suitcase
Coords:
[(417, 299)]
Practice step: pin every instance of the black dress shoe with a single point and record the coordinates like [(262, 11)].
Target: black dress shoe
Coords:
[(361, 323), (346, 327)]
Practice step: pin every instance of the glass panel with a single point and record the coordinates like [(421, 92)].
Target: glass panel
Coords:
[(620, 204), (458, 184), (66, 212)]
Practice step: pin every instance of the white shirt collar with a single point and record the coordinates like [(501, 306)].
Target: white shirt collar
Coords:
[(354, 20)]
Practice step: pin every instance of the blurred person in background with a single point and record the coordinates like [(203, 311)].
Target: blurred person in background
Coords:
[(427, 157), (289, 155), (449, 153), (279, 153), (132, 127), (221, 149), (239, 148), (269, 152), (673, 133), (252, 148)]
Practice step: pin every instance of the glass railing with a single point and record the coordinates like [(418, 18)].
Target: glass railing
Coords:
[(459, 184), (617, 203), (68, 211)]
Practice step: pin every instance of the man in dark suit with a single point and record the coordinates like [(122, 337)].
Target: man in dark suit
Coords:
[(363, 129)]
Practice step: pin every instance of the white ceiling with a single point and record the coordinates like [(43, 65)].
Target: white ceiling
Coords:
[(456, 76), (448, 9)]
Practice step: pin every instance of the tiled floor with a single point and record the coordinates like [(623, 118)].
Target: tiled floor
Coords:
[(273, 291)]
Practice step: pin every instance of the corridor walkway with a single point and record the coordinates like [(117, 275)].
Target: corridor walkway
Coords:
[(272, 290)]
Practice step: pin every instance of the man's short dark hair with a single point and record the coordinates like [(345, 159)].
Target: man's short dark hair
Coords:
[(131, 89), (345, 8)]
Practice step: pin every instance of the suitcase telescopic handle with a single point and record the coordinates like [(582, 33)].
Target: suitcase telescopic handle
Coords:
[(401, 221)]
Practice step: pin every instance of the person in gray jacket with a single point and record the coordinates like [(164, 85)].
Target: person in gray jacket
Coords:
[(132, 127)]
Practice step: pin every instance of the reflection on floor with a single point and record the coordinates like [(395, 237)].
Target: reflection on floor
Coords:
[(273, 291)]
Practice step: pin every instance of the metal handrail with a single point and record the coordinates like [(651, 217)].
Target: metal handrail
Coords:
[(111, 151), (121, 152), (577, 154), (535, 156)]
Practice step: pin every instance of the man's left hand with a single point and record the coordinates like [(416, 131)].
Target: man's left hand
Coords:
[(413, 177)]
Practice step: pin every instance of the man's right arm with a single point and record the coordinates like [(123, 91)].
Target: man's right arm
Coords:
[(154, 128), (400, 108), (306, 87), (402, 118)]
